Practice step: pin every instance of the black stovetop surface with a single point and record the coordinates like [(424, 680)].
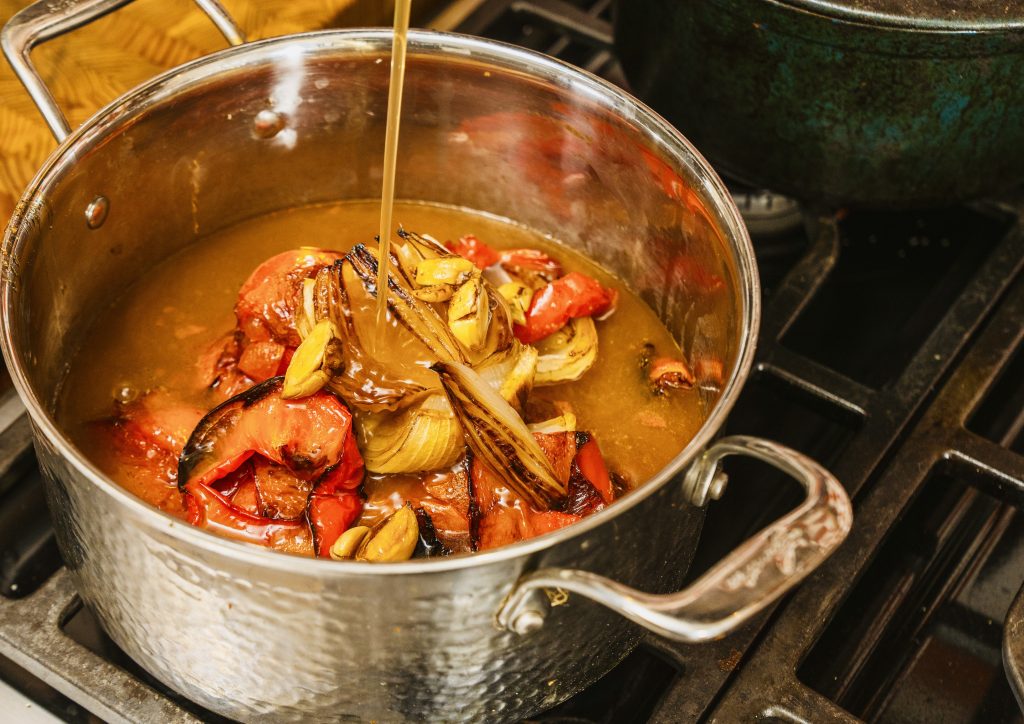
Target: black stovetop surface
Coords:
[(891, 351)]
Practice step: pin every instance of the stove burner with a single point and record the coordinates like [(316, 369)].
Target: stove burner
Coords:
[(892, 350)]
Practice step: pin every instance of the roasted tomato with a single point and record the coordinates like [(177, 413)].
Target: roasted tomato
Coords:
[(146, 436), (574, 295), (265, 339), (272, 295), (470, 247), (293, 462), (209, 509), (533, 265), (529, 263)]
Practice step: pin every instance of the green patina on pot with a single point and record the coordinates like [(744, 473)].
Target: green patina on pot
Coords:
[(835, 103)]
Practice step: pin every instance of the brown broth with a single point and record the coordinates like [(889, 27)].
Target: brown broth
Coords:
[(154, 336)]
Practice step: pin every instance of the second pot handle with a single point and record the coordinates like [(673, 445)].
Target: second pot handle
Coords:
[(46, 19), (760, 570)]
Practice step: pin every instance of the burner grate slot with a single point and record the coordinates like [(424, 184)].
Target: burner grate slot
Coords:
[(925, 620), (28, 547), (630, 692), (1001, 414), (896, 276)]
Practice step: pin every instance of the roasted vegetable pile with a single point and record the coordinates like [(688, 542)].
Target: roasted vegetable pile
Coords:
[(340, 438)]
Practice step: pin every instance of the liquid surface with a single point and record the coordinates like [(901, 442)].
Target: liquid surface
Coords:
[(160, 335)]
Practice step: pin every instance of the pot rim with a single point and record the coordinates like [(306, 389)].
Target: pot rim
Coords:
[(168, 84), (844, 10)]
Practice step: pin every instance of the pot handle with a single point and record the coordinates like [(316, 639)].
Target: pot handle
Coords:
[(46, 19), (760, 570)]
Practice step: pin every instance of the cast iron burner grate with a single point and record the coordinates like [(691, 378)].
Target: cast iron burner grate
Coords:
[(892, 350)]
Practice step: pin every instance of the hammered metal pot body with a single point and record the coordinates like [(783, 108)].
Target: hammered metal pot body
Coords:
[(827, 102), (257, 635)]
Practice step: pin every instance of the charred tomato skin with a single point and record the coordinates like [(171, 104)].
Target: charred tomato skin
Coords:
[(194, 451), (225, 439)]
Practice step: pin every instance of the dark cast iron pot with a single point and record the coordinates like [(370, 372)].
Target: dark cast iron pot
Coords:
[(862, 102)]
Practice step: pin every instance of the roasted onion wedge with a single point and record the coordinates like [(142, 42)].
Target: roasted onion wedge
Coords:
[(427, 246), (499, 437), (361, 379), (417, 316), (423, 436), (568, 353), (512, 374)]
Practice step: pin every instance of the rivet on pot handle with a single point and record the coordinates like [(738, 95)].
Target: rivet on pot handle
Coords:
[(46, 19), (759, 571)]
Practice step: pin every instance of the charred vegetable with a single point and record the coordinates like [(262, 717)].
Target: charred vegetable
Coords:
[(666, 373), (418, 317), (513, 375), (424, 436), (499, 437), (393, 539), (303, 447), (568, 353), (572, 296), (441, 390), (348, 542), (315, 361), (362, 380)]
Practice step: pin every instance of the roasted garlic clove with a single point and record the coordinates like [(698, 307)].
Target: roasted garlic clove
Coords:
[(314, 362), (468, 313), (409, 257), (444, 270), (392, 539), (434, 294), (348, 542), (518, 296)]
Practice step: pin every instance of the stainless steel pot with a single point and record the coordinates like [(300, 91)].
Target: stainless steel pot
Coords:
[(257, 635)]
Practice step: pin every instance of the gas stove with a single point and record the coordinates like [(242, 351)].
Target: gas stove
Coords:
[(891, 350)]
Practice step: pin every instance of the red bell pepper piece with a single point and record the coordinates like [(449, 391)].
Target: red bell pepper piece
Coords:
[(347, 475), (530, 260), (574, 295), (333, 504), (470, 247), (330, 516), (591, 465)]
